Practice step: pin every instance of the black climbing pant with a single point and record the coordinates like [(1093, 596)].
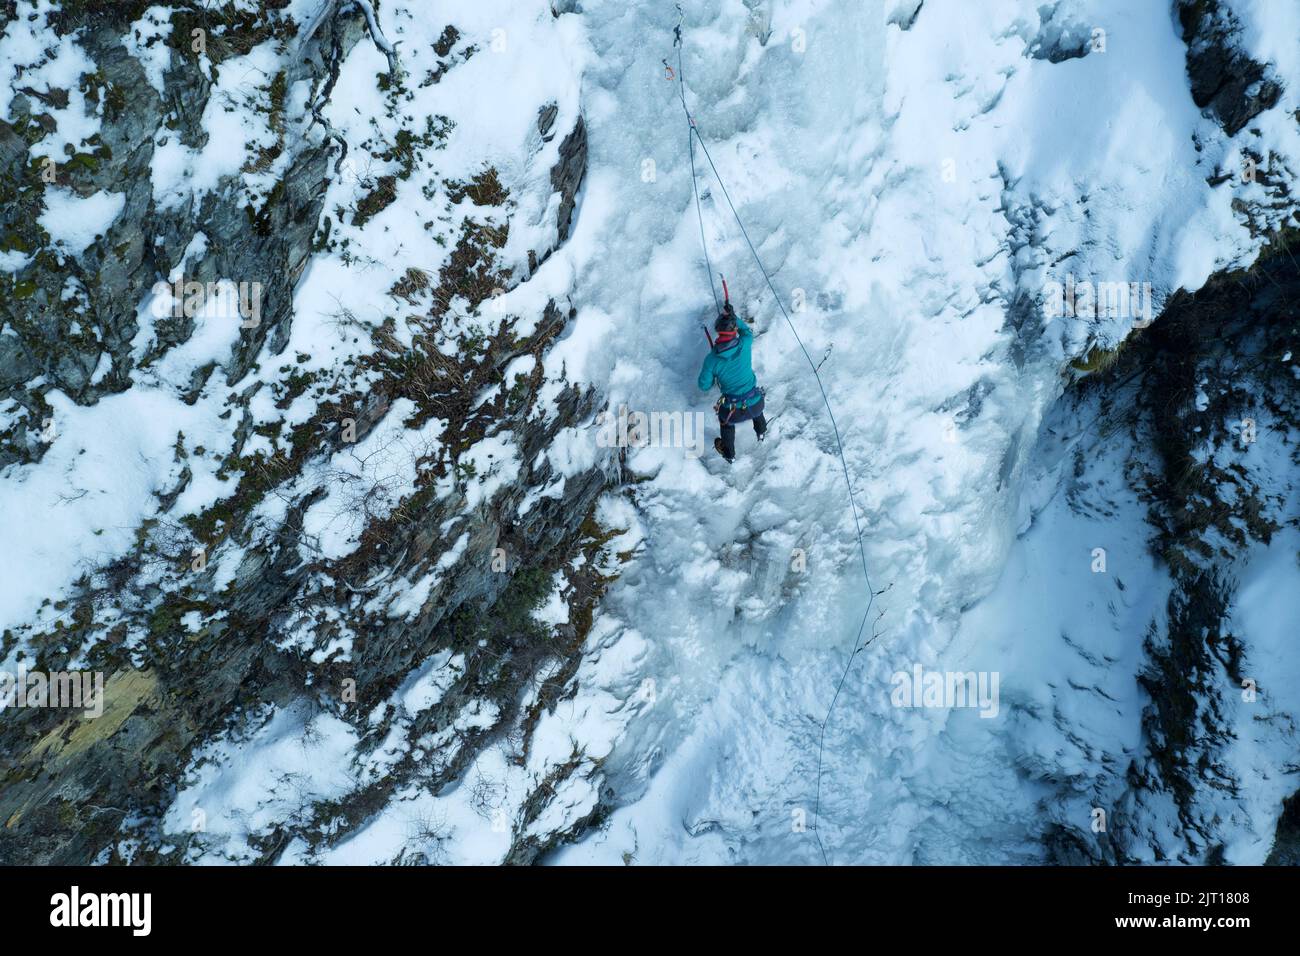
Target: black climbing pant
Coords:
[(729, 436)]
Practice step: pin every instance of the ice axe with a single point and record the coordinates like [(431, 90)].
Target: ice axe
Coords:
[(726, 302)]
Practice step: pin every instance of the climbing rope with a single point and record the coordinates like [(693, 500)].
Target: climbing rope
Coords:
[(693, 135)]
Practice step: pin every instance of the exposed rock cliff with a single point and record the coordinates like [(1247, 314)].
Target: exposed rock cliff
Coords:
[(328, 530)]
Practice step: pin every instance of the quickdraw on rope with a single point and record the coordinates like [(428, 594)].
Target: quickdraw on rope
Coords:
[(692, 136)]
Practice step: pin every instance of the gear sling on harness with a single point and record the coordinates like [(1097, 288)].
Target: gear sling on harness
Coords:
[(740, 408)]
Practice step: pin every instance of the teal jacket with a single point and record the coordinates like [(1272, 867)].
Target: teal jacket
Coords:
[(729, 365)]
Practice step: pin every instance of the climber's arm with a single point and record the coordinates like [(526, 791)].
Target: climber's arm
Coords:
[(706, 373)]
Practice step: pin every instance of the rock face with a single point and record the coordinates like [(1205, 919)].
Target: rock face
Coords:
[(61, 339), (567, 176), (232, 606), (1286, 846), (1183, 398), (1224, 80)]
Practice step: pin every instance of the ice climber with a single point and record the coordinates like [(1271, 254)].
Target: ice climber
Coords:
[(728, 364)]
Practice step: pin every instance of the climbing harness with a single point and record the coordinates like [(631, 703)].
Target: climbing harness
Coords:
[(693, 136), (732, 404)]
